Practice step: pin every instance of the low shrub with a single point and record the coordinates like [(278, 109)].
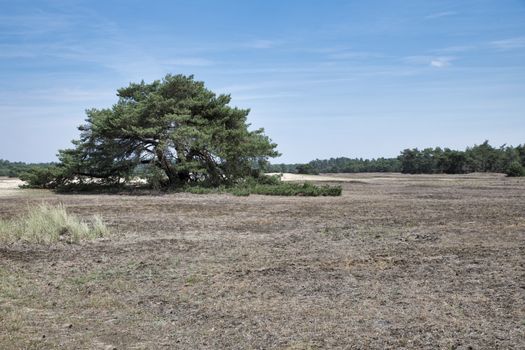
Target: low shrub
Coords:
[(295, 189), (240, 191), (48, 224), (42, 177), (270, 186), (515, 169), (200, 190)]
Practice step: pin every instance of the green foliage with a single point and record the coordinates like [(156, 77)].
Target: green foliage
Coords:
[(268, 185), (261, 180), (154, 176), (42, 177), (307, 169), (295, 189), (14, 169), (479, 158), (47, 224), (240, 191), (339, 165), (182, 131), (201, 190), (515, 169)]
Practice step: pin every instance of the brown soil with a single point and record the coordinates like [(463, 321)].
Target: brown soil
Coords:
[(396, 262)]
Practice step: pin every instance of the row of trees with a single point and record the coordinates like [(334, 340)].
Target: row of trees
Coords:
[(479, 158), (340, 165), (15, 169)]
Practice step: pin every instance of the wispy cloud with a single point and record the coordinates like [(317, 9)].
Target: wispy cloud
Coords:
[(32, 24), (456, 49), (509, 44), (440, 62), (436, 62), (441, 14), (264, 96), (57, 95)]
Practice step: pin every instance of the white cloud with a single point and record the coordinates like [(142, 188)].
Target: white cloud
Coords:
[(508, 44), (439, 63), (436, 62)]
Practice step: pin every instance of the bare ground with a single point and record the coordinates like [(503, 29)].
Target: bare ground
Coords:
[(396, 262)]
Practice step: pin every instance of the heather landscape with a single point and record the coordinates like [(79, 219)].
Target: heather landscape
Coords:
[(397, 261), (263, 174)]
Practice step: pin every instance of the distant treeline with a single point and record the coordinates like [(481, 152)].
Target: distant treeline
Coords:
[(479, 158), (341, 165), (14, 169)]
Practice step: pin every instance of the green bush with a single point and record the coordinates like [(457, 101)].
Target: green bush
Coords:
[(240, 191), (270, 186), (155, 178), (266, 180), (294, 189), (307, 169), (515, 169), (199, 190), (42, 177)]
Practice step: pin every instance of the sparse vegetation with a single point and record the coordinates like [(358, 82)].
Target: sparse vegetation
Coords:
[(48, 224), (398, 261)]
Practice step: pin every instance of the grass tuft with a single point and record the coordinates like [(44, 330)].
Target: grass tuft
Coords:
[(48, 224)]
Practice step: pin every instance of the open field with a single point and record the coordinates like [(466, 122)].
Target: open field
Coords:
[(395, 262)]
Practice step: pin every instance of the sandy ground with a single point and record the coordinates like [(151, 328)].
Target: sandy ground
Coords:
[(377, 177), (7, 183), (9, 186), (396, 262), (323, 178)]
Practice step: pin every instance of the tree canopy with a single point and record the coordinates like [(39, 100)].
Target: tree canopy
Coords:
[(175, 130)]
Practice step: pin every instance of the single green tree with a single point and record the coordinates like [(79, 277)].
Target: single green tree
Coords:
[(175, 127)]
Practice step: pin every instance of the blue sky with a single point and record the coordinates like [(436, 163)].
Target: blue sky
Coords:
[(324, 78)]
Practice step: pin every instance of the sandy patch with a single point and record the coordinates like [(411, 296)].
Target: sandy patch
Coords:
[(304, 177), (9, 185)]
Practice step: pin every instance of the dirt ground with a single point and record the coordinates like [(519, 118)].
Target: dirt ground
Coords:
[(415, 262)]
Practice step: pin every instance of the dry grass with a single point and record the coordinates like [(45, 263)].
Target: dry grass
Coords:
[(414, 262), (47, 224)]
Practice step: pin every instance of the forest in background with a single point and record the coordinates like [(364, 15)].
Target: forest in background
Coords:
[(15, 169), (478, 158)]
